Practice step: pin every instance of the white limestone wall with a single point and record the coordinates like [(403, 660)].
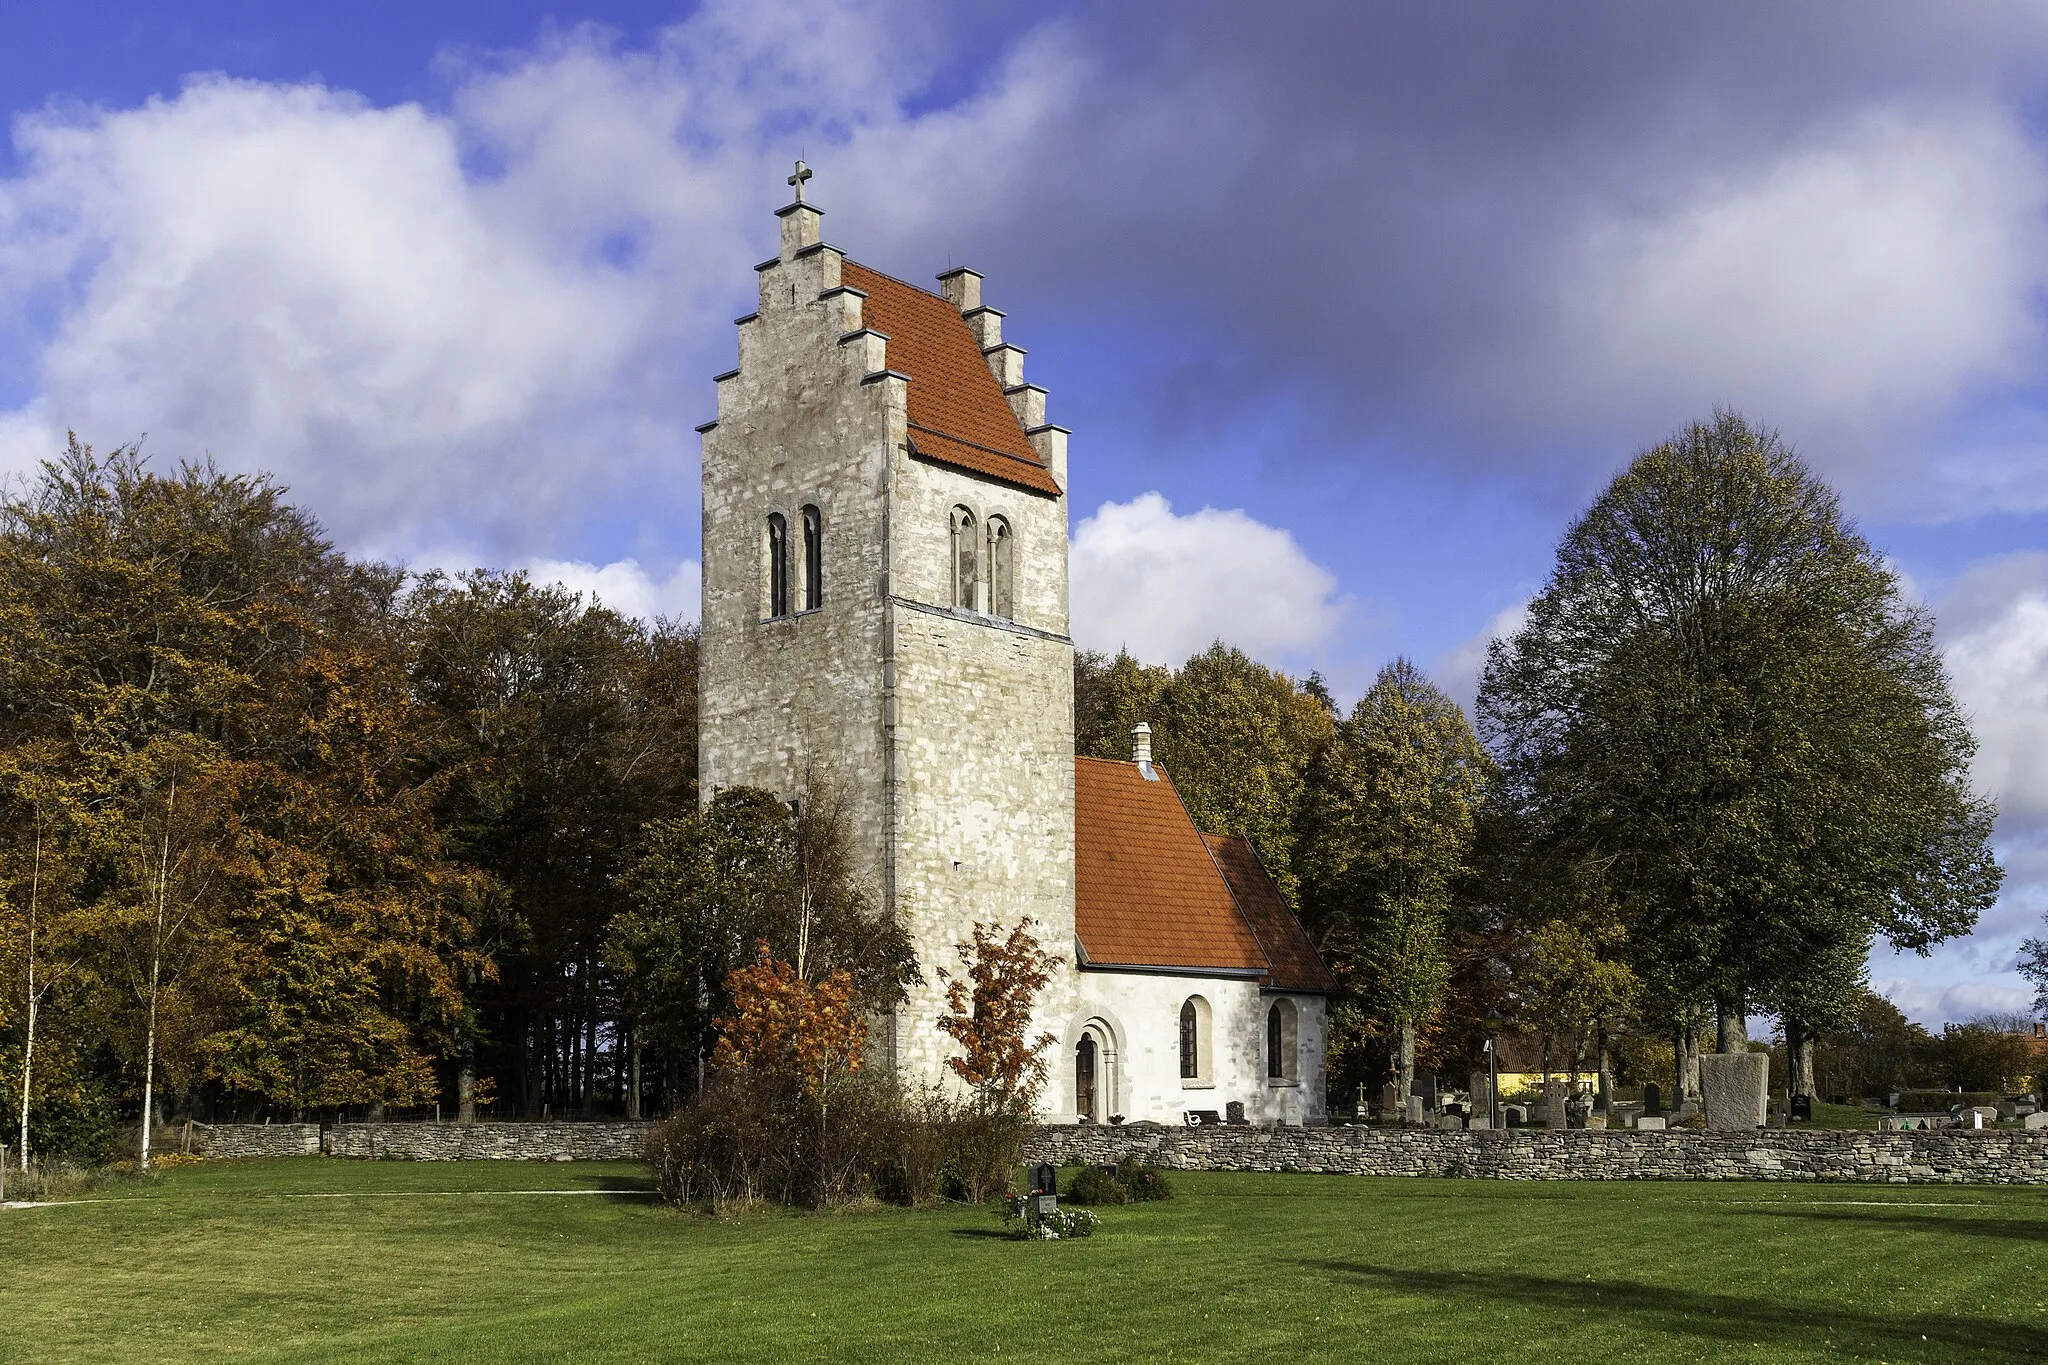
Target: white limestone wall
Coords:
[(1140, 1013), (800, 698)]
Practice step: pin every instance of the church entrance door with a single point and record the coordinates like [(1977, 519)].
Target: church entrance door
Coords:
[(1084, 1079)]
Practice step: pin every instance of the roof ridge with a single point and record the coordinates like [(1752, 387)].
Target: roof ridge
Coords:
[(897, 279)]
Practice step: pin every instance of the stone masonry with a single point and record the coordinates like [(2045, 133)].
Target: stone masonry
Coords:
[(491, 1141), (945, 733), (1941, 1157)]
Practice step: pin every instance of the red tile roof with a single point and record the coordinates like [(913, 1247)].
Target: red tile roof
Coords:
[(1149, 891), (1295, 964), (958, 415)]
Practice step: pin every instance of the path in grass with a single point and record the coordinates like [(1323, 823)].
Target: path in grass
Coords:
[(216, 1263)]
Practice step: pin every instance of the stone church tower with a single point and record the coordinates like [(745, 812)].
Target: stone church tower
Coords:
[(885, 601)]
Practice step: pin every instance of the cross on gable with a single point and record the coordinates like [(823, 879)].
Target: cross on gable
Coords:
[(796, 181)]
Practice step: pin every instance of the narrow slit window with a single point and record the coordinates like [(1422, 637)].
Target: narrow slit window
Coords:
[(966, 561), (1002, 587), (1190, 1061), (814, 559), (776, 545)]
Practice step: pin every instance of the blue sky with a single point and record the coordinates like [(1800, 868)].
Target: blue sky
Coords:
[(1351, 309)]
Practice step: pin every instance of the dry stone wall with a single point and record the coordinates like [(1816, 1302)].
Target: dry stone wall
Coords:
[(230, 1141), (1942, 1157), (490, 1141)]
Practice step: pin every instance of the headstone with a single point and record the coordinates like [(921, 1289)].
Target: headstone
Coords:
[(1425, 1086), (1650, 1123), (1414, 1114), (1685, 1111), (1482, 1100), (1514, 1115), (1037, 1206), (1391, 1104), (1043, 1178), (1553, 1105), (1598, 1121), (1802, 1109), (1362, 1111), (1734, 1088), (1983, 1116), (1451, 1123), (1653, 1101), (1233, 1113), (2035, 1122), (1455, 1109)]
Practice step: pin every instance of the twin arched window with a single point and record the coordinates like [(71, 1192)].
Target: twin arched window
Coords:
[(983, 564), (779, 576)]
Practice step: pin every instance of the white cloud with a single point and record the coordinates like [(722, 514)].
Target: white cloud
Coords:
[(1461, 668), (625, 587), (1871, 275), (1166, 586), (485, 324), (1995, 630)]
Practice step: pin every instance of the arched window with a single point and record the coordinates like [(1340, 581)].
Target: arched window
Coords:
[(775, 551), (966, 562), (1194, 1041), (1282, 1041), (1084, 1078), (1001, 577), (814, 559)]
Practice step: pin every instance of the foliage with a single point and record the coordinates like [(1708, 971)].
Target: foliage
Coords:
[(1722, 709), (1986, 1054), (783, 1025), (988, 1012), (702, 888), (1094, 1186)]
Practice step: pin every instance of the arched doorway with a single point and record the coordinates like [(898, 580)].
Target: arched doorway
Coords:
[(1086, 1061)]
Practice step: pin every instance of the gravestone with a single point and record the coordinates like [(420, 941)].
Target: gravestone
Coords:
[(1363, 1111), (1986, 1115), (1513, 1115), (1802, 1109), (1233, 1113), (1043, 1178), (1735, 1090), (1653, 1101), (1482, 1100), (2035, 1122), (1650, 1123), (1554, 1116), (1451, 1123), (1415, 1112), (1425, 1086), (1391, 1105)]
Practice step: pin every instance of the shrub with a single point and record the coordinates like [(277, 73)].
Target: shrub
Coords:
[(1057, 1225), (1095, 1185), (1143, 1182)]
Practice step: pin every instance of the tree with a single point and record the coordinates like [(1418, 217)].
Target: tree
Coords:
[(1387, 824), (1110, 697), (745, 870), (988, 1012), (1723, 709)]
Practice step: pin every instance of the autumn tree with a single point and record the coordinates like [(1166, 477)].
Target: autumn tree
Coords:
[(988, 1012), (1387, 827), (1723, 708)]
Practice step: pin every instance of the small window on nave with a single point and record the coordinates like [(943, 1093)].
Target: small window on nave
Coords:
[(1194, 1042), (1282, 1041)]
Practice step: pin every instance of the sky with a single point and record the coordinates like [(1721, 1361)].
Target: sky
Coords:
[(1351, 309)]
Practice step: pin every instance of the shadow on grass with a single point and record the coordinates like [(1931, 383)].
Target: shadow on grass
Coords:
[(1725, 1318), (1878, 1220), (996, 1233)]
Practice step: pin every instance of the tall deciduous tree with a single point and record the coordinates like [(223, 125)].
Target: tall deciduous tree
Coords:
[(1387, 831), (1722, 706)]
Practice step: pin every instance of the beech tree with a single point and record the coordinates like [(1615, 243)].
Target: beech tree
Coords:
[(1723, 709), (1388, 822)]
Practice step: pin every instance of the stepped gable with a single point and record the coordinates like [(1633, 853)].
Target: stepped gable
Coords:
[(1146, 891), (958, 414), (1296, 966)]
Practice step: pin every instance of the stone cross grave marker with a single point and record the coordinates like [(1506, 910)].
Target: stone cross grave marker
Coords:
[(1553, 1105)]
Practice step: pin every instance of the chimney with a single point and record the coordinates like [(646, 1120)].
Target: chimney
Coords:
[(1141, 750), (961, 287)]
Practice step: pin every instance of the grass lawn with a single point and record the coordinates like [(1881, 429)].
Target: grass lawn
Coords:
[(310, 1259)]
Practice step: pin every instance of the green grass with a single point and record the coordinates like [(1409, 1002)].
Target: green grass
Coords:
[(447, 1262)]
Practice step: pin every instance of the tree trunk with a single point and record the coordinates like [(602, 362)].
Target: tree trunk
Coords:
[(1689, 1079), (1798, 1058), (1731, 1029), (148, 1074), (28, 1052), (1604, 1099), (1407, 1065), (633, 1080)]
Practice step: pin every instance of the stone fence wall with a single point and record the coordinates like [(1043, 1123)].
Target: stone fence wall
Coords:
[(244, 1139), (423, 1141), (1952, 1156)]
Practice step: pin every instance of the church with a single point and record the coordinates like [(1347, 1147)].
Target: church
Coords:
[(885, 609)]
